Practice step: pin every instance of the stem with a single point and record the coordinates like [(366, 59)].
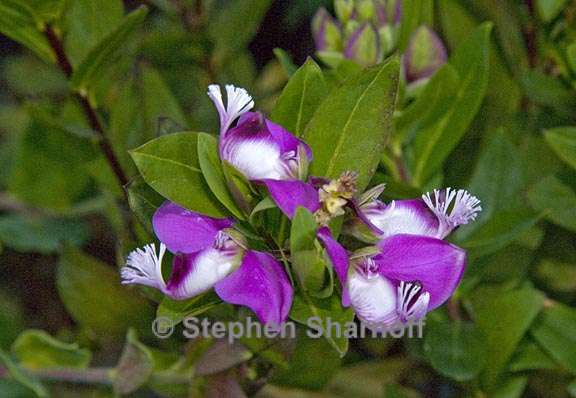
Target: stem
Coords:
[(90, 112), (104, 376)]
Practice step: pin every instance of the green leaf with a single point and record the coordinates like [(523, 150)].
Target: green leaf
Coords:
[(104, 54), (501, 230), (21, 377), (235, 24), (177, 310), (305, 369), (432, 146), (549, 9), (414, 14), (307, 260), (143, 201), (36, 349), (503, 317), (88, 22), (39, 161), (563, 141), (170, 165), (135, 366), (497, 180), (555, 333), (18, 22), (431, 104), (211, 166), (305, 308), (42, 235), (302, 95), (556, 200), (513, 387), (531, 357), (284, 58), (350, 128), (455, 349), (92, 294), (157, 101)]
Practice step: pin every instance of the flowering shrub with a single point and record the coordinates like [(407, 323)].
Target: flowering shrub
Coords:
[(384, 207)]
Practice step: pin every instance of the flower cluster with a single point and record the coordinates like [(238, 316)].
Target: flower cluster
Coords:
[(405, 270), (367, 31)]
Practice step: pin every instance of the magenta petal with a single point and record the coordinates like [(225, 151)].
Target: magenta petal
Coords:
[(289, 195), (436, 264), (288, 142), (184, 231), (260, 284), (337, 254)]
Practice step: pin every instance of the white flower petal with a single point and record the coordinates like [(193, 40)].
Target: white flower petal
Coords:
[(373, 299), (144, 267)]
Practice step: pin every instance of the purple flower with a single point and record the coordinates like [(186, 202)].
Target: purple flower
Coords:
[(209, 254), (414, 270), (256, 147), (409, 276), (435, 214)]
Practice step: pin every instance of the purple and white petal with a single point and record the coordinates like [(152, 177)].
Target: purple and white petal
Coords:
[(337, 254), (452, 208), (437, 265), (372, 296), (144, 267), (261, 284), (401, 217), (254, 151), (238, 102), (198, 272), (287, 141), (289, 195), (184, 231)]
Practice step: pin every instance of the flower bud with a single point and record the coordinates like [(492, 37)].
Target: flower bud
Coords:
[(363, 46), (344, 9), (365, 10), (326, 31), (425, 54)]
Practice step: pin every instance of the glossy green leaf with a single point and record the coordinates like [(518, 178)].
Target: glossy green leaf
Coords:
[(555, 333), (455, 349), (503, 317), (302, 95), (563, 141), (304, 308), (19, 22), (556, 200), (170, 165), (22, 377), (432, 146), (92, 294), (135, 366), (103, 55), (351, 127), (211, 166), (36, 349)]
